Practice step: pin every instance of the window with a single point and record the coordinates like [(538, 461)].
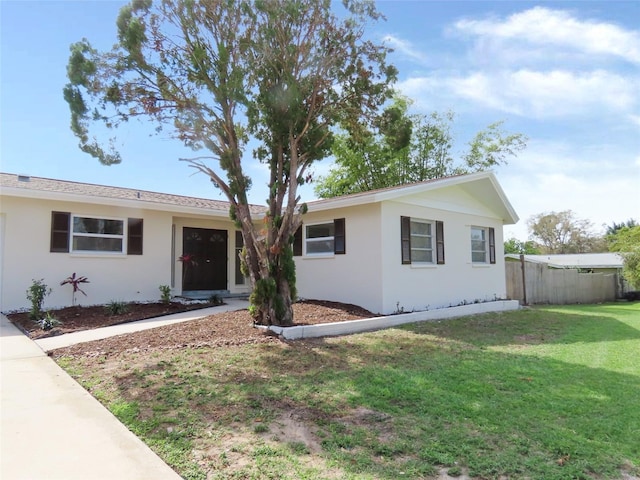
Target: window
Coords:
[(483, 245), (422, 241), (321, 239), (77, 233)]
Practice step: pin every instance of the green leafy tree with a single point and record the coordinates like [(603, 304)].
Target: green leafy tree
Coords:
[(626, 240), (528, 247), (215, 74), (402, 148), (615, 227), (562, 232)]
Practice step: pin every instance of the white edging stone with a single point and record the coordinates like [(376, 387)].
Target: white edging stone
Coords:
[(379, 323)]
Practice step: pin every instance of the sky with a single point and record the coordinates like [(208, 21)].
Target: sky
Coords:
[(565, 74)]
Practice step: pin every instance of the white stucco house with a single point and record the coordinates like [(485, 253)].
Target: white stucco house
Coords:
[(415, 247)]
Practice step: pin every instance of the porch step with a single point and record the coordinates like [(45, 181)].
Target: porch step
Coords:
[(206, 295)]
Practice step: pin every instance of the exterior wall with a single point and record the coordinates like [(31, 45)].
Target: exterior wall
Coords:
[(204, 222), (26, 256), (354, 277), (423, 287)]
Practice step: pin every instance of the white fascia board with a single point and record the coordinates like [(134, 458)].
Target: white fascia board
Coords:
[(392, 194), (114, 202)]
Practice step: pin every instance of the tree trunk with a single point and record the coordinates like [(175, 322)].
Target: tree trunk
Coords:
[(271, 301)]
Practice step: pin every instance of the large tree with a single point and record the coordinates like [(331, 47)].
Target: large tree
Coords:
[(626, 241), (563, 232), (402, 148), (216, 73)]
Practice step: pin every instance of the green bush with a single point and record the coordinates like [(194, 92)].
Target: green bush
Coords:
[(48, 322), (165, 293), (116, 307), (35, 294)]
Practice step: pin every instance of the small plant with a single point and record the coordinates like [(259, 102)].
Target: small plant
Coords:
[(117, 307), (75, 283), (35, 294), (399, 309), (165, 293), (48, 322), (215, 299)]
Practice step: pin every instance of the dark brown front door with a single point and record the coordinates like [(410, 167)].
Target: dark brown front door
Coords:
[(208, 248)]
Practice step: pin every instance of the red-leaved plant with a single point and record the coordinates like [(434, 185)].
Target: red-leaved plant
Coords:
[(75, 283)]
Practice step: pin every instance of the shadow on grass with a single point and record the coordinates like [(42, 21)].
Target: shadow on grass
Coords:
[(436, 396)]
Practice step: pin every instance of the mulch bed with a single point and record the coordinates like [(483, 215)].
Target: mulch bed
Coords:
[(223, 329)]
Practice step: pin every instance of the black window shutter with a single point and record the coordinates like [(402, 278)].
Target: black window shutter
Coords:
[(492, 245), (405, 239), (134, 236), (60, 226), (440, 242), (297, 242), (339, 237)]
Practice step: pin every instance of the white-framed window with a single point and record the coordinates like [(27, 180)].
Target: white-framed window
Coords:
[(483, 248), (422, 240), (320, 239), (97, 234)]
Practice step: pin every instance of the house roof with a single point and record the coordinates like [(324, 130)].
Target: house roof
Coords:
[(46, 188), (575, 260), (483, 186)]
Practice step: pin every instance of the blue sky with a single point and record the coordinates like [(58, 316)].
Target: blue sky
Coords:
[(566, 74)]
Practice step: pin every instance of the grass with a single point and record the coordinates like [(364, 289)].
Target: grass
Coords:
[(544, 393)]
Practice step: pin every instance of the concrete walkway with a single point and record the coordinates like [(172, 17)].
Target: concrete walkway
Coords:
[(51, 428), (51, 343)]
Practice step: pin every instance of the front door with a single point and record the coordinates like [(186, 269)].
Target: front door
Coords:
[(207, 269)]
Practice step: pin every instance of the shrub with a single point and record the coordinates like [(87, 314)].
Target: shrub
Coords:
[(48, 322), (165, 293), (116, 307), (35, 294), (75, 283), (215, 299)]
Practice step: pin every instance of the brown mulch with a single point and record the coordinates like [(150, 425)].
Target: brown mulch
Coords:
[(223, 329), (74, 319)]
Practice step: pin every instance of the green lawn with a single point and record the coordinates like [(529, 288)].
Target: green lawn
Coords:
[(543, 393)]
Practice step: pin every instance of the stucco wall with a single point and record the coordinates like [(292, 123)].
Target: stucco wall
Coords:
[(351, 278), (420, 287), (26, 256), (372, 275)]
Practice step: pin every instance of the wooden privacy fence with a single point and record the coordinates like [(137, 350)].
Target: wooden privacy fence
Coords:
[(557, 286)]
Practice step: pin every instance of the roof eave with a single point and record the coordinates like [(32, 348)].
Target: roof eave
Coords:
[(117, 202)]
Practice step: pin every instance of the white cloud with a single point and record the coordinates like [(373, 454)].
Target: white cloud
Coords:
[(537, 94), (404, 47), (558, 28)]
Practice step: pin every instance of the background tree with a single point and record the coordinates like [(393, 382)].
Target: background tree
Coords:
[(562, 232), (626, 241), (529, 247), (615, 227), (215, 74), (402, 148)]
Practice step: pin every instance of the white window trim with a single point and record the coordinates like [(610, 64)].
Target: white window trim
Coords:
[(433, 241), (319, 239), (486, 245), (73, 234)]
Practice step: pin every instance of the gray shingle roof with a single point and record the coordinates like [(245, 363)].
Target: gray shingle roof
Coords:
[(38, 184)]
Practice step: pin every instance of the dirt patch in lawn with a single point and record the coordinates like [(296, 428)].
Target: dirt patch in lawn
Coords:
[(223, 329)]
